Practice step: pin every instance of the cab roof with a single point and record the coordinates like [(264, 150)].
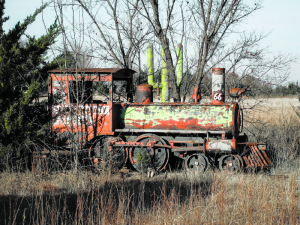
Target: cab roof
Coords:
[(116, 72)]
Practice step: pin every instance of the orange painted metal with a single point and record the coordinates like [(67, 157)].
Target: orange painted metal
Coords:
[(144, 94), (261, 158), (256, 157), (269, 163), (246, 161), (87, 119), (253, 162), (86, 70), (236, 92), (197, 95)]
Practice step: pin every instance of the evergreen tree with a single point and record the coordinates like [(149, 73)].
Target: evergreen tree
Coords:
[(23, 73), (65, 59)]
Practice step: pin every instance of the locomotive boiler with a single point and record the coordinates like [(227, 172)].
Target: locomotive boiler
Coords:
[(119, 125)]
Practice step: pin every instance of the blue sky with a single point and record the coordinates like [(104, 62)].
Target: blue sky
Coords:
[(279, 18)]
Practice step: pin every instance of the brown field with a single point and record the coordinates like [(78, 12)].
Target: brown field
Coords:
[(85, 197), (274, 110)]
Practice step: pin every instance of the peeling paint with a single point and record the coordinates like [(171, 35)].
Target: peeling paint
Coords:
[(179, 116)]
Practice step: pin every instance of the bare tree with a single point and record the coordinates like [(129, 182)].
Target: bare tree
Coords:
[(208, 26), (163, 27), (115, 35), (214, 20), (77, 55), (115, 31)]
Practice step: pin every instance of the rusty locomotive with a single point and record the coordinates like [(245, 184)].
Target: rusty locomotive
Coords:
[(97, 109)]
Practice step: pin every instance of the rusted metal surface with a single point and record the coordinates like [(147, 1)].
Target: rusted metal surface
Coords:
[(90, 70), (151, 156), (133, 130), (197, 95), (155, 145), (236, 92), (89, 120), (105, 154), (230, 163), (256, 157), (180, 116), (85, 118), (197, 162), (144, 94), (200, 134)]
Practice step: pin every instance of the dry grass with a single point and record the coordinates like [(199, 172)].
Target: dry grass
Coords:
[(274, 111), (84, 197), (274, 121), (211, 198)]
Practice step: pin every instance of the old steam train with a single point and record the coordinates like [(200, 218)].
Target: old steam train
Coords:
[(95, 109)]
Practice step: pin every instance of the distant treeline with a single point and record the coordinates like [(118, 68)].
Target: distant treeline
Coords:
[(255, 87), (291, 89)]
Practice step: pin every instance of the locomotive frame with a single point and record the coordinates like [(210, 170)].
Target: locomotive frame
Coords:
[(143, 133)]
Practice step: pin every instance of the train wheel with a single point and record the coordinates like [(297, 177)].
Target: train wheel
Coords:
[(143, 158), (105, 156), (230, 164), (197, 163), (242, 165)]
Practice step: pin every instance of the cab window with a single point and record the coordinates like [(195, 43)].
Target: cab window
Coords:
[(80, 91)]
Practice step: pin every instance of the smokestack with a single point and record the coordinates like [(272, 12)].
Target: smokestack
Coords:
[(218, 85)]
